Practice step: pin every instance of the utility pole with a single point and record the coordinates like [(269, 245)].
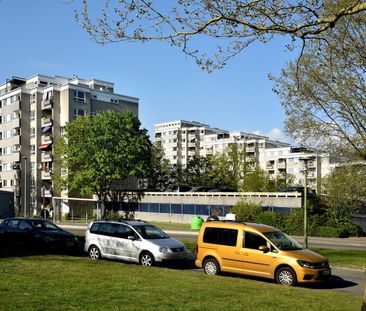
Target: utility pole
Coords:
[(25, 186), (305, 159)]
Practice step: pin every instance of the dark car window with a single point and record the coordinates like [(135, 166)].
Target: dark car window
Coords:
[(23, 225), (253, 240), (220, 236), (13, 223)]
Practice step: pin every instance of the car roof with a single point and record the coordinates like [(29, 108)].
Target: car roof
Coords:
[(239, 225), (127, 222)]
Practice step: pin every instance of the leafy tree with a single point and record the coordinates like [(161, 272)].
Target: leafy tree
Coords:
[(197, 172), (257, 181), (324, 93), (344, 192), (234, 23), (230, 167), (162, 175), (99, 151)]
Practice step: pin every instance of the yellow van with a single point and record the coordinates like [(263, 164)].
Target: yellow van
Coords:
[(257, 250)]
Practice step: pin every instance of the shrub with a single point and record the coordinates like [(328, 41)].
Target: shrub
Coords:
[(246, 211), (271, 219)]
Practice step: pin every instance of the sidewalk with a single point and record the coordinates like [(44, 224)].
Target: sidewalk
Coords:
[(350, 243)]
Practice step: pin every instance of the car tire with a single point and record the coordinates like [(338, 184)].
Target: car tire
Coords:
[(147, 259), (286, 276), (211, 266), (94, 252)]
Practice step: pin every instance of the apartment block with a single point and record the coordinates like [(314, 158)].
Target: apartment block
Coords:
[(183, 140), (33, 113)]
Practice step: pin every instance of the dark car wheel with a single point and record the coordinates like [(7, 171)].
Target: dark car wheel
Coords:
[(286, 276), (94, 252), (146, 259), (211, 266)]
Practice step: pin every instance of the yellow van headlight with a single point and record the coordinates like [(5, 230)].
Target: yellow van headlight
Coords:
[(306, 264)]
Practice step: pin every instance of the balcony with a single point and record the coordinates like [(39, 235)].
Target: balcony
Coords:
[(192, 145), (281, 165), (46, 139), (46, 157), (46, 175), (47, 193), (46, 121), (47, 104)]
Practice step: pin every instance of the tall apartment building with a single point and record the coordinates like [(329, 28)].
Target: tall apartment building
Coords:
[(183, 140), (33, 113)]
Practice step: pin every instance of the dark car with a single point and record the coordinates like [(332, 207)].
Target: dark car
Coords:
[(37, 233)]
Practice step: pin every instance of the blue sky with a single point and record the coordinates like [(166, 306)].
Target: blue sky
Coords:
[(42, 37)]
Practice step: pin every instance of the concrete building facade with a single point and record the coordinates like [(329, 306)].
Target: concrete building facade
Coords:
[(34, 112)]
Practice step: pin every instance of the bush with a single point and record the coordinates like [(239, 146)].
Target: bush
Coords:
[(272, 219), (246, 211)]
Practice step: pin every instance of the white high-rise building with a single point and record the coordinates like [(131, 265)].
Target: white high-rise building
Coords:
[(184, 140)]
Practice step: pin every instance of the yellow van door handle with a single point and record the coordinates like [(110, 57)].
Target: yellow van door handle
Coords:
[(237, 252)]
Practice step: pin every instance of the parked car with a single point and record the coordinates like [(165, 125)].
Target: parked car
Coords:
[(257, 250), (135, 241), (200, 189), (35, 232)]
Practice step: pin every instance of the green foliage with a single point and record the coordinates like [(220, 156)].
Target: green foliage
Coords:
[(197, 172), (271, 219), (246, 211), (324, 102), (162, 175), (257, 181), (332, 232), (101, 150), (344, 191)]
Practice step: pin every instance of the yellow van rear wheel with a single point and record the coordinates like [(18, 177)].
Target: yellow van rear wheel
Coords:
[(211, 266)]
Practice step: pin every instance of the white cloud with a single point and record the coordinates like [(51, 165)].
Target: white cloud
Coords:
[(274, 134)]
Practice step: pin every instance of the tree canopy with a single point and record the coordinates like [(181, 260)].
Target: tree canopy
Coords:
[(234, 24), (98, 151), (324, 92)]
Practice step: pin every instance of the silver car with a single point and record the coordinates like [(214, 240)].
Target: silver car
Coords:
[(135, 241)]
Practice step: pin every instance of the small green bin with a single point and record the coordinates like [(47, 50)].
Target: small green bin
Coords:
[(196, 222)]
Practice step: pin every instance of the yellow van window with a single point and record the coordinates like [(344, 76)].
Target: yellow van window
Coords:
[(220, 236)]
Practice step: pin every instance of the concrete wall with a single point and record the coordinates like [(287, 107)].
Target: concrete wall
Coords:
[(278, 199)]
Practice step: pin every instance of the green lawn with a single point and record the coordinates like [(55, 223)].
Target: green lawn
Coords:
[(55, 282)]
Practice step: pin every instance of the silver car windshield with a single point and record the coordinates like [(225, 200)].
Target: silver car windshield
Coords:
[(282, 241), (150, 232)]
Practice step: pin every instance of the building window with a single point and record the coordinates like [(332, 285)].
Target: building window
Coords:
[(32, 149), (79, 112), (32, 114), (79, 96)]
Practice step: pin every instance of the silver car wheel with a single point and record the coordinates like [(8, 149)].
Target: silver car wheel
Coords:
[(211, 267), (146, 260), (286, 276), (94, 253)]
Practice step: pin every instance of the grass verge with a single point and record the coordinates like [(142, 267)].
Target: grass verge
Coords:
[(55, 282)]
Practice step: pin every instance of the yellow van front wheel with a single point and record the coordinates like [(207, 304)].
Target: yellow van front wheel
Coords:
[(211, 266), (286, 276)]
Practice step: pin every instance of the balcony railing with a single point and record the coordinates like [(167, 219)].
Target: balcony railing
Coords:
[(46, 121), (47, 104)]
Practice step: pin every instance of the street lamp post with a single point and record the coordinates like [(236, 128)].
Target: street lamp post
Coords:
[(25, 186), (305, 200)]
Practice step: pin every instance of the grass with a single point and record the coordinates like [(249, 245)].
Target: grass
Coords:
[(344, 258), (55, 282)]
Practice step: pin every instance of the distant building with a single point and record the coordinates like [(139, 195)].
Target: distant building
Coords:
[(183, 140), (33, 113)]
